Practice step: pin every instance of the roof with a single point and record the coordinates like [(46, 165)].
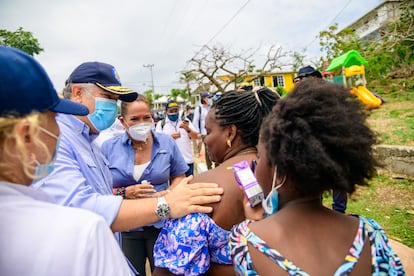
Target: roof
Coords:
[(348, 59)]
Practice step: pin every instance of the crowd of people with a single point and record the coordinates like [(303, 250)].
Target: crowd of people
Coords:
[(102, 193)]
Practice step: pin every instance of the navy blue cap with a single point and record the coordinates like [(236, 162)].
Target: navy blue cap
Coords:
[(172, 104), (103, 75), (205, 95), (25, 87), (308, 71)]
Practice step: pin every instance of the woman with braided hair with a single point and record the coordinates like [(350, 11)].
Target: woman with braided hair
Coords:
[(315, 140), (197, 244)]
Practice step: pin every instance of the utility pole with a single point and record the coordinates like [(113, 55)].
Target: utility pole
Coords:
[(150, 66)]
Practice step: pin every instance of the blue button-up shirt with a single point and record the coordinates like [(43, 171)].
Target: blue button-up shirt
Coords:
[(81, 177), (166, 162)]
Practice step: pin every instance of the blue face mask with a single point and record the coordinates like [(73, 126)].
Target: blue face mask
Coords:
[(105, 113), (43, 170), (210, 101), (271, 202), (172, 116)]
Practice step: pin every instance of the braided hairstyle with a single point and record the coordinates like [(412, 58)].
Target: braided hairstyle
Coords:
[(317, 135), (246, 110)]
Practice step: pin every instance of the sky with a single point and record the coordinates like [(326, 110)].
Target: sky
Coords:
[(167, 33)]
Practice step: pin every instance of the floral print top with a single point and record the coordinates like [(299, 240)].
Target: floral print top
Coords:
[(384, 259), (187, 245)]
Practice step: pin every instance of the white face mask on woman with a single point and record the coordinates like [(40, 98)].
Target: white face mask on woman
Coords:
[(140, 132)]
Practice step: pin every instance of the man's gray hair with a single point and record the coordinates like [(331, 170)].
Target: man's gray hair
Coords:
[(67, 90)]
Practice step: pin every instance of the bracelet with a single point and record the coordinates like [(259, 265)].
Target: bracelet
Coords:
[(120, 192)]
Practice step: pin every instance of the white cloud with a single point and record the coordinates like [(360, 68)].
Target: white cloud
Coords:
[(166, 33)]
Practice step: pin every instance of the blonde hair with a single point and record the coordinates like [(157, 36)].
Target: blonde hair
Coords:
[(8, 126)]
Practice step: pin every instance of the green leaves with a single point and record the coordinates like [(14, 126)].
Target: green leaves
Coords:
[(20, 39)]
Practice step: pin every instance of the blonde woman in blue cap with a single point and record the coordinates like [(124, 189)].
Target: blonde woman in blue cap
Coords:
[(38, 236)]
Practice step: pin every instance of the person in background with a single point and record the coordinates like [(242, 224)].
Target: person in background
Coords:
[(182, 131), (244, 86), (307, 72), (188, 113), (197, 244), (142, 163), (315, 140), (114, 130), (40, 237), (82, 178), (217, 96), (339, 198), (199, 122)]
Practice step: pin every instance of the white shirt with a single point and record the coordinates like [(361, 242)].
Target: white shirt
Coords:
[(115, 129), (199, 120), (42, 238), (184, 142)]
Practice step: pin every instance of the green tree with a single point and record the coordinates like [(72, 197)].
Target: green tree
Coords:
[(334, 44), (20, 39), (390, 54), (148, 95), (175, 92), (188, 77)]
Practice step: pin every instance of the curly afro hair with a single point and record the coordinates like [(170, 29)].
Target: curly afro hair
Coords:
[(318, 135)]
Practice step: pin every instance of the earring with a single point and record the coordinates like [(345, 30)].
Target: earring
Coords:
[(228, 143)]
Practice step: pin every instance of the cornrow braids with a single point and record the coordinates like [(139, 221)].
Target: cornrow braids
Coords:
[(245, 111), (318, 135)]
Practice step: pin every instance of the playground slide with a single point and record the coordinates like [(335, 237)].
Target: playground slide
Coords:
[(366, 96)]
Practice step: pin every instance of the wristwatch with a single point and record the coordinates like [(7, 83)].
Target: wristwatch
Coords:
[(163, 210)]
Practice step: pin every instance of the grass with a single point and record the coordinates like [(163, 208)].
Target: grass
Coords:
[(394, 123), (389, 199)]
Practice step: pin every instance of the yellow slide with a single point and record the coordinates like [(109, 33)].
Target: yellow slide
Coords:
[(366, 96)]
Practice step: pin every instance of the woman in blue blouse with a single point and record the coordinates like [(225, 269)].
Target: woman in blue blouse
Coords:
[(142, 163)]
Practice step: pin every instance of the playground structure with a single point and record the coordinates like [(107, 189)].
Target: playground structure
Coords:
[(348, 70)]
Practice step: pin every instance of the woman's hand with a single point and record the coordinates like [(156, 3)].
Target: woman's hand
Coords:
[(255, 213), (187, 198), (140, 191), (252, 213)]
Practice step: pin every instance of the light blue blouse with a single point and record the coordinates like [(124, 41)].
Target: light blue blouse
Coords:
[(166, 162)]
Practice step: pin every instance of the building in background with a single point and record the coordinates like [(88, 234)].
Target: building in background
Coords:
[(273, 79), (370, 25)]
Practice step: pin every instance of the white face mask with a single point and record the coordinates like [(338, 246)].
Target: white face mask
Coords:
[(140, 132)]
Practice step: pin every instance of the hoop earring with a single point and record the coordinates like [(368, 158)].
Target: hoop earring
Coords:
[(228, 143)]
